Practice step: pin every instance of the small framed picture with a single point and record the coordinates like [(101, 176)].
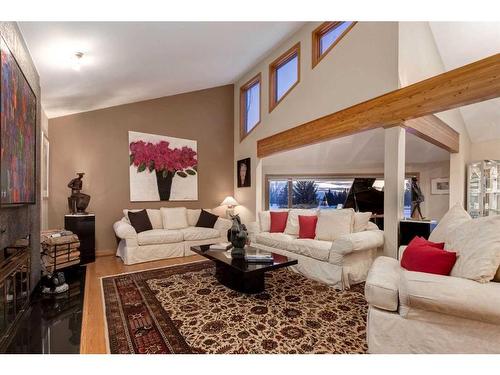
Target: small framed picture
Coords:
[(440, 186), (243, 173)]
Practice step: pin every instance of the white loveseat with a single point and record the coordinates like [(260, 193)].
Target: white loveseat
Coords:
[(416, 312), (162, 243), (340, 262)]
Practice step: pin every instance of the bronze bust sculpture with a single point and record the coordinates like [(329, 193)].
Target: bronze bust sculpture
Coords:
[(78, 201)]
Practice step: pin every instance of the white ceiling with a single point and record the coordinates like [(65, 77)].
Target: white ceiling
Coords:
[(131, 61), (362, 150), (461, 43)]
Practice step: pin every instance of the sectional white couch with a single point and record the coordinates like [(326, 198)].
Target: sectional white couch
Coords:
[(162, 243), (340, 262)]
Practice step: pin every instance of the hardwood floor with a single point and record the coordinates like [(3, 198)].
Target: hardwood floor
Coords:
[(93, 339)]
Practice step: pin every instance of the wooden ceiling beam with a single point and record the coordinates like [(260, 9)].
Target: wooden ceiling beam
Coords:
[(433, 130), (468, 84)]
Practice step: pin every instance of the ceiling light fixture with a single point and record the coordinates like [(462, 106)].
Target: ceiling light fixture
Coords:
[(77, 61)]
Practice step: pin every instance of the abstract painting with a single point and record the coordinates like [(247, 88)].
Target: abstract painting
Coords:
[(162, 168), (17, 133)]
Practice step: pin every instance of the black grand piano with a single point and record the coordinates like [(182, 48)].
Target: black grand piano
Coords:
[(364, 197)]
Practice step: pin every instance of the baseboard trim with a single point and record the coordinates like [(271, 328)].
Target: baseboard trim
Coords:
[(105, 253)]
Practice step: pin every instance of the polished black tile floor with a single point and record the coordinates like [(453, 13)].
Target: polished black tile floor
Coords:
[(52, 324)]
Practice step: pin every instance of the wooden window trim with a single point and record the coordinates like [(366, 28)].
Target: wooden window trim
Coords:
[(243, 89), (284, 58), (316, 39)]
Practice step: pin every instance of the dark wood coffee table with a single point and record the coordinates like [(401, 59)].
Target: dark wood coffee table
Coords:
[(237, 273)]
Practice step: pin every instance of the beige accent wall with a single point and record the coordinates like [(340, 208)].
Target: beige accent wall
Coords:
[(96, 143), (362, 65), (44, 206)]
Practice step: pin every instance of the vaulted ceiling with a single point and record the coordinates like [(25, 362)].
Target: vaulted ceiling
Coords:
[(460, 43), (125, 62)]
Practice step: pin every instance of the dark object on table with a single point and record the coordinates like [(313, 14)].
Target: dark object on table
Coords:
[(139, 220), (363, 197), (206, 220), (77, 202), (409, 229), (237, 273), (238, 236), (84, 227)]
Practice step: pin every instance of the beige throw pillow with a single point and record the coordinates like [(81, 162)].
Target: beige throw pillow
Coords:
[(455, 217), (193, 216), (174, 218), (361, 220), (334, 223), (292, 223), (477, 243)]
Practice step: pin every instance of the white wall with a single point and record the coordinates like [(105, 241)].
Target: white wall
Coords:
[(419, 59), (363, 65)]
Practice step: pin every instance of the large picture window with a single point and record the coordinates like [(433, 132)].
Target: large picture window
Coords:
[(319, 191)]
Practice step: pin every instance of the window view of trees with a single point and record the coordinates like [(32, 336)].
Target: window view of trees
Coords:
[(308, 193), (323, 193), (304, 194), (278, 194)]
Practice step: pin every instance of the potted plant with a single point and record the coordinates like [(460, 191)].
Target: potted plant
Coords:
[(165, 161)]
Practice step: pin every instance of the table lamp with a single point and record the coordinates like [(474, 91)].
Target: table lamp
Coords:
[(230, 202)]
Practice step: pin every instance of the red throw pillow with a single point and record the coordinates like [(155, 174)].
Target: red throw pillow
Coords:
[(420, 241), (307, 226), (278, 221), (428, 259)]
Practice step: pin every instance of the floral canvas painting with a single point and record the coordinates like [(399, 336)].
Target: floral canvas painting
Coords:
[(17, 133), (162, 168)]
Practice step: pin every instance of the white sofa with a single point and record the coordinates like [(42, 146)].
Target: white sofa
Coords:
[(340, 263), (416, 312), (161, 243)]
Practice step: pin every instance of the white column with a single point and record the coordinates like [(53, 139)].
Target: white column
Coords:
[(458, 172), (394, 176)]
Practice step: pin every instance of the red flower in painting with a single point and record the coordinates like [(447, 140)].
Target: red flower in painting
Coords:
[(160, 157)]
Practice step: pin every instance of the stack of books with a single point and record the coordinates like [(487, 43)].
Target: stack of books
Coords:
[(221, 246), (259, 257)]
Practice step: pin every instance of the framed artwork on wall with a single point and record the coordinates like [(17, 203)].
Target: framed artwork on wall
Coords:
[(45, 166), (243, 173), (440, 186), (17, 133), (162, 168)]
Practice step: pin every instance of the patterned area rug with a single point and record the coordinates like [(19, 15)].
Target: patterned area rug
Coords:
[(183, 309)]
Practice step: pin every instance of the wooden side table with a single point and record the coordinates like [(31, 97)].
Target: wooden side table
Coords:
[(84, 227)]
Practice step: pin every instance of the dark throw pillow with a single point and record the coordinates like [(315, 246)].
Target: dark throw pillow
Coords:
[(140, 221), (206, 220)]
